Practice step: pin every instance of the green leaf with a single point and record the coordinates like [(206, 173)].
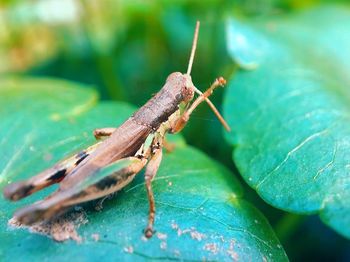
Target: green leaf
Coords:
[(290, 116), (200, 210)]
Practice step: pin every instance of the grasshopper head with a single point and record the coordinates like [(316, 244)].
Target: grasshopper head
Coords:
[(181, 86)]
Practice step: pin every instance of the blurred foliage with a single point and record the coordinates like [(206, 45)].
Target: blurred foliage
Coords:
[(127, 48)]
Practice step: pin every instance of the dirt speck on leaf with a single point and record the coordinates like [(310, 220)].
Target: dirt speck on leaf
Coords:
[(231, 251), (197, 235), (163, 245), (59, 229), (174, 225), (211, 247), (161, 236), (143, 238), (177, 253), (129, 249), (95, 237), (191, 231)]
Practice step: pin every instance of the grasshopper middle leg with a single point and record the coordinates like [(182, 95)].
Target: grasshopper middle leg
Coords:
[(150, 173), (103, 132)]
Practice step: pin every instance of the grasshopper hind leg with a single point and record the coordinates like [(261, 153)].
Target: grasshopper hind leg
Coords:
[(18, 190), (106, 182)]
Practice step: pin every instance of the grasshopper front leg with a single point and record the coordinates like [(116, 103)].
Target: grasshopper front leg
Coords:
[(183, 119)]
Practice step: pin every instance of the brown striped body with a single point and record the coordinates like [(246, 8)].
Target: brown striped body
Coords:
[(128, 138)]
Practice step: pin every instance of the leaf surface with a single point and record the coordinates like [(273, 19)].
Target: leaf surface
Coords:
[(290, 115)]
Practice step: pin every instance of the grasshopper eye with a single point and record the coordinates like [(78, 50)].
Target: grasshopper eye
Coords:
[(187, 93)]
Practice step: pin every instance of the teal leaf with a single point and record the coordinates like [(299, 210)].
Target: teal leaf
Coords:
[(245, 46), (201, 214), (290, 116)]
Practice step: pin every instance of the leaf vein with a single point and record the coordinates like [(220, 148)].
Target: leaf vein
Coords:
[(290, 153)]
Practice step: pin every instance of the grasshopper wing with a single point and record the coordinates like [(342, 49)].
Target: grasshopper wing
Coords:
[(103, 182)]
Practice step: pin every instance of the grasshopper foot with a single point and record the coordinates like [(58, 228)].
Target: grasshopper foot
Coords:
[(148, 232)]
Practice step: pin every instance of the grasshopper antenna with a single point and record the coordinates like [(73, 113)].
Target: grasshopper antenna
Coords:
[(189, 68), (193, 50), (215, 110)]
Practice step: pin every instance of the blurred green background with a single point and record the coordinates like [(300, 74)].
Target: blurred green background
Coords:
[(126, 49)]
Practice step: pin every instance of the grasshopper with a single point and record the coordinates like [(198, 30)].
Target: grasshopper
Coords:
[(112, 163)]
